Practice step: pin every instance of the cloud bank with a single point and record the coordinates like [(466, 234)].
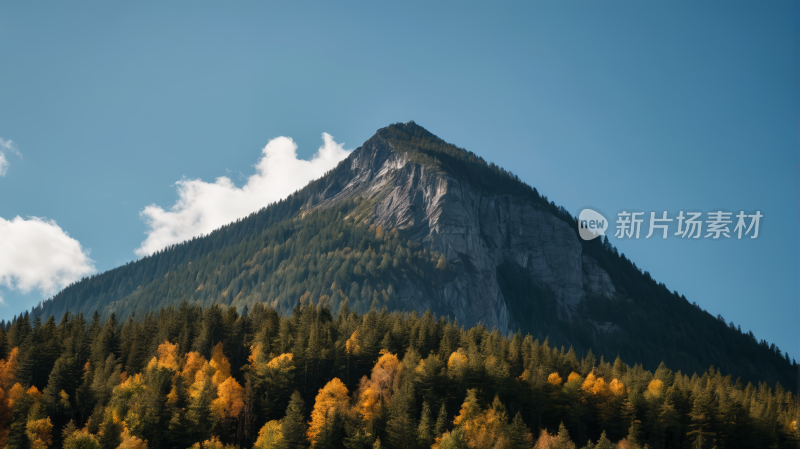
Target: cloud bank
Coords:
[(203, 207), (36, 253), (6, 146)]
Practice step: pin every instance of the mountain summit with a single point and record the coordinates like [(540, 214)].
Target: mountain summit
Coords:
[(410, 222)]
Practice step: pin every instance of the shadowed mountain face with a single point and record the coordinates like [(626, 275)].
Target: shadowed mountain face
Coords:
[(483, 232), (409, 222)]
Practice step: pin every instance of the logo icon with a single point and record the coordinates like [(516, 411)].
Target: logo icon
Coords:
[(591, 224)]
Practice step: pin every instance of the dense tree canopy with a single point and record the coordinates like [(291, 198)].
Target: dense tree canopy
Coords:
[(190, 377)]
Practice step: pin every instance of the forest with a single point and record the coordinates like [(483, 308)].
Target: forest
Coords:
[(194, 377)]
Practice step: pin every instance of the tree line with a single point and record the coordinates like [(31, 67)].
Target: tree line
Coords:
[(193, 377)]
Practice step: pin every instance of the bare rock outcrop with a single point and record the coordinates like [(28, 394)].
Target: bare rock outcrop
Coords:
[(474, 229)]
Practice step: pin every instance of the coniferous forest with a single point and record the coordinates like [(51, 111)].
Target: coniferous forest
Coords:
[(189, 377)]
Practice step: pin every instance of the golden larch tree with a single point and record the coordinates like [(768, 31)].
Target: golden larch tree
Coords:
[(333, 397), (230, 399), (8, 370)]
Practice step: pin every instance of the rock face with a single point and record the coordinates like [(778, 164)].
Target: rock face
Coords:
[(476, 230)]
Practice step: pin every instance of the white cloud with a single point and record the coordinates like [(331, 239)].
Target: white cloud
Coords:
[(6, 146), (36, 253), (203, 207)]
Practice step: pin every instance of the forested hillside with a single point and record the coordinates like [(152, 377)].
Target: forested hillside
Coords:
[(297, 253), (189, 377)]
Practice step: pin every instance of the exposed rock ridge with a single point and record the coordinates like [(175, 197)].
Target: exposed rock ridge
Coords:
[(476, 229)]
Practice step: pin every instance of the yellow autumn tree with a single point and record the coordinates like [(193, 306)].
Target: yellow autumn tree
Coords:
[(220, 364), (15, 393), (482, 428), (457, 364), (655, 386), (352, 346), (33, 393), (378, 388), (230, 399), (270, 436), (600, 394), (555, 380), (545, 440), (202, 376), (81, 439), (194, 362), (282, 362), (131, 442), (384, 373), (331, 398), (369, 400), (262, 365), (8, 370), (212, 443), (617, 388), (39, 433), (470, 410), (168, 356), (594, 386), (574, 378), (257, 356)]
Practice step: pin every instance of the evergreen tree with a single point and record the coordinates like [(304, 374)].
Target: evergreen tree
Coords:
[(563, 441), (294, 424), (635, 434), (425, 430), (518, 435), (441, 421), (401, 428), (199, 414), (604, 442)]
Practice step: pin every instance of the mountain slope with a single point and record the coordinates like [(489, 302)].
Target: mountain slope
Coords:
[(410, 222)]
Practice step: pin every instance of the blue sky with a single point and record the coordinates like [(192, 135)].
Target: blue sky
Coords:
[(616, 105)]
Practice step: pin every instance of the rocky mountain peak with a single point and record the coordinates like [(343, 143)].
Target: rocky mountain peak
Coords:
[(407, 178)]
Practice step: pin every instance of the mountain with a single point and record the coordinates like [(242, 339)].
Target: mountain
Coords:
[(410, 222)]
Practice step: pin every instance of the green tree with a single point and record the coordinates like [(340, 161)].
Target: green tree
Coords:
[(604, 442), (401, 428), (441, 421), (294, 424), (425, 430), (562, 440), (518, 434)]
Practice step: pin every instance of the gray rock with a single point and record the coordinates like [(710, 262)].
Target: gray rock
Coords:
[(474, 229)]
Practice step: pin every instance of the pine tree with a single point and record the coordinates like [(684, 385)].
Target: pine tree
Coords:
[(294, 424), (563, 441), (425, 430), (441, 421), (635, 434), (110, 435), (604, 442), (199, 413), (453, 440), (518, 434), (401, 428)]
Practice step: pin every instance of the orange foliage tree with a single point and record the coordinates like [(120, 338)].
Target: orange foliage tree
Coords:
[(8, 370), (332, 398), (378, 388), (230, 399), (220, 364)]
